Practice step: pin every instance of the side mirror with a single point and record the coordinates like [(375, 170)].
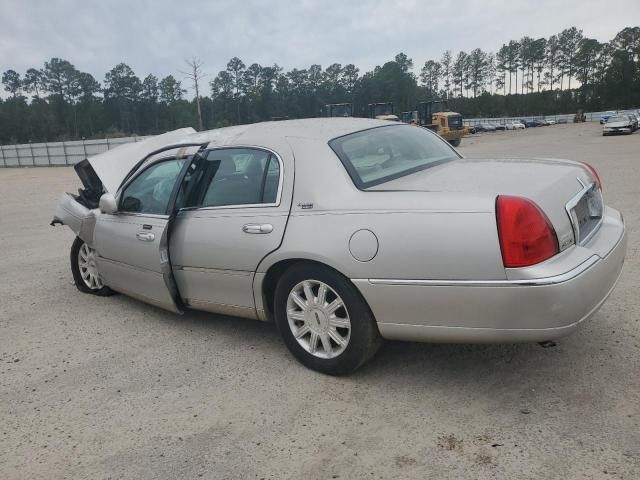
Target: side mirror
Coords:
[(108, 203)]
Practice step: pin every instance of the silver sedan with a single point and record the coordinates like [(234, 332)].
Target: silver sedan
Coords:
[(345, 231)]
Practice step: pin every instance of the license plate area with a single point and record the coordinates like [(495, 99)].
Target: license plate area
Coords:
[(585, 211)]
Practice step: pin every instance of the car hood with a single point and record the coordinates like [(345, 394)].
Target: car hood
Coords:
[(112, 166), (549, 183)]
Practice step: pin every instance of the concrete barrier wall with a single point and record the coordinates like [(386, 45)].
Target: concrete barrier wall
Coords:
[(57, 153)]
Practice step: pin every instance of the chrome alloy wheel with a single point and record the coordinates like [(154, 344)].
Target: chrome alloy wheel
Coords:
[(88, 267), (318, 319)]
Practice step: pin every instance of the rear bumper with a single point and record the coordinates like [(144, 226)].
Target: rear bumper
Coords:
[(527, 308)]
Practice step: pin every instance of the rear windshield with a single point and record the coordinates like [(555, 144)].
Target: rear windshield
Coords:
[(382, 154)]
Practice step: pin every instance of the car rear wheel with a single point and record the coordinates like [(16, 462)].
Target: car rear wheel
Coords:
[(85, 271), (323, 319)]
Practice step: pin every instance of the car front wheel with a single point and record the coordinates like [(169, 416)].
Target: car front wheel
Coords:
[(324, 320), (85, 271)]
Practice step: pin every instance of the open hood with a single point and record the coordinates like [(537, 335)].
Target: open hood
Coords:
[(112, 166)]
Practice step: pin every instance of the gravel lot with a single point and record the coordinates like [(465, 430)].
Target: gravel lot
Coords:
[(112, 388)]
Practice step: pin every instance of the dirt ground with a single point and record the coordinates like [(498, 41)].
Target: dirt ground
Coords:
[(112, 388)]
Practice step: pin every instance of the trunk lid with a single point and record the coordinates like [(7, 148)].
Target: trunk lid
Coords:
[(556, 186)]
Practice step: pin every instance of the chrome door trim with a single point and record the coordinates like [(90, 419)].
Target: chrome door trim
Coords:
[(553, 280), (145, 236), (138, 214)]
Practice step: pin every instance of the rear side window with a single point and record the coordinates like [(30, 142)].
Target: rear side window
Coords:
[(381, 154), (237, 176)]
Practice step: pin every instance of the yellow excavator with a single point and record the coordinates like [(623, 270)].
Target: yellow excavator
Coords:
[(436, 116)]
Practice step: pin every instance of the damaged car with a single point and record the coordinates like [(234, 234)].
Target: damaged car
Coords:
[(618, 124), (344, 232)]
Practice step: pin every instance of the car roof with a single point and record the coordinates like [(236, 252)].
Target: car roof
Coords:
[(322, 129)]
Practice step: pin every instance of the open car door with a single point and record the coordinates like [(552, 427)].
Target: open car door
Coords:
[(132, 244)]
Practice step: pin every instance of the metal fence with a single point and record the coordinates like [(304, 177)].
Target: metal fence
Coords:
[(57, 153), (562, 118)]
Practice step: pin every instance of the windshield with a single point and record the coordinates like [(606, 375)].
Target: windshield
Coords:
[(382, 154), (617, 119)]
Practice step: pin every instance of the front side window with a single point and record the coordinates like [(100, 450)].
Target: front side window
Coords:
[(382, 154), (150, 191), (236, 176)]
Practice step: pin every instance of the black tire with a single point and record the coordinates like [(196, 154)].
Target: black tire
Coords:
[(77, 277), (456, 142), (364, 339)]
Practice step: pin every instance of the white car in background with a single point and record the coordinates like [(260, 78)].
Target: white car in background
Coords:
[(618, 124), (550, 122), (515, 126)]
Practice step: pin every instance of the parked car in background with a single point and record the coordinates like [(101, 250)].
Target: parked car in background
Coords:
[(562, 120), (501, 126), (484, 127), (605, 116), (635, 118), (550, 122), (532, 123), (618, 124), (515, 125), (417, 242)]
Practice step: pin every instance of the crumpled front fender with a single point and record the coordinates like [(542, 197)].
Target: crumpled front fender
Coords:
[(80, 219)]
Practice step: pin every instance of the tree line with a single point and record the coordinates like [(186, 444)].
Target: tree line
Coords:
[(529, 76)]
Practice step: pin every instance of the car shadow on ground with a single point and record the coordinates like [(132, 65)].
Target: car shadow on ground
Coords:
[(408, 359)]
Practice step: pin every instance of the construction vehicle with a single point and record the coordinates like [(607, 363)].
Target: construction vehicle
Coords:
[(580, 117), (337, 110), (382, 111), (409, 117), (436, 116)]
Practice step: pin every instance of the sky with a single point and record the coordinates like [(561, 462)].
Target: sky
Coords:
[(156, 36)]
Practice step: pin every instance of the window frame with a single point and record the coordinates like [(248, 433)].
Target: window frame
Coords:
[(273, 154), (364, 186)]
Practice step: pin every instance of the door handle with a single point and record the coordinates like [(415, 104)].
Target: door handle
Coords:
[(145, 236), (257, 228)]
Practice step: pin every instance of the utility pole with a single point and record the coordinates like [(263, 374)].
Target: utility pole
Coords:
[(195, 75)]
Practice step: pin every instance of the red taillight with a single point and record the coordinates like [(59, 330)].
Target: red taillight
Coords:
[(526, 235), (594, 174)]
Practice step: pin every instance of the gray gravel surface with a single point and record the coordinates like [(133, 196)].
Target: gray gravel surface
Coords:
[(112, 388)]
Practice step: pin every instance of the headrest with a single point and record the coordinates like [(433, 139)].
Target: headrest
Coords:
[(226, 167)]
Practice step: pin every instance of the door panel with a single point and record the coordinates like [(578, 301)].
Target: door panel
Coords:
[(197, 286), (240, 216), (130, 257), (214, 258), (116, 238), (132, 246)]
